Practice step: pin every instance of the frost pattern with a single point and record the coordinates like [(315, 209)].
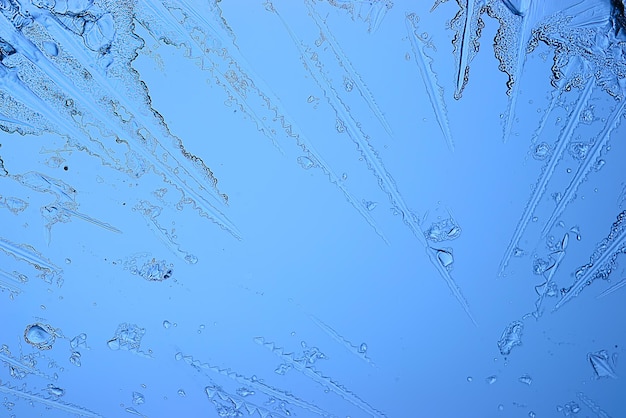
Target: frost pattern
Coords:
[(69, 73)]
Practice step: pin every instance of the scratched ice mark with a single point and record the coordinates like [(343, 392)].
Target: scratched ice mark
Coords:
[(614, 288), (107, 99), (368, 153)]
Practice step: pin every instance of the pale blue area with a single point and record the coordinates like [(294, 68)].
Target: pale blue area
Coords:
[(373, 246)]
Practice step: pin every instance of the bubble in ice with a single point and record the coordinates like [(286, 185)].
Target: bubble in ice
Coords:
[(41, 336), (445, 257)]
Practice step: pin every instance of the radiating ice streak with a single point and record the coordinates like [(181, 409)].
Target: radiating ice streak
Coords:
[(24, 46), (602, 257), (370, 156), (150, 214), (9, 285), (195, 49), (344, 62), (429, 77), (356, 350), (467, 24), (255, 384), (617, 286), (377, 8), (28, 254), (546, 175), (530, 12), (585, 168), (51, 403), (11, 83), (265, 94), (600, 413), (24, 369), (319, 377)]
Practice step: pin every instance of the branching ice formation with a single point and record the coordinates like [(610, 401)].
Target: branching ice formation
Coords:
[(429, 77), (182, 23), (103, 92), (369, 154), (548, 170), (48, 402), (601, 263), (309, 371)]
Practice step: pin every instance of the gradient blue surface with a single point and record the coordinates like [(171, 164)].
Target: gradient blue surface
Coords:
[(302, 209)]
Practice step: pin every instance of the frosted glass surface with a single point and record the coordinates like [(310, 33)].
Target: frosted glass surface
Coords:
[(338, 208)]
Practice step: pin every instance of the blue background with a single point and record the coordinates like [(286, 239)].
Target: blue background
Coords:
[(307, 269)]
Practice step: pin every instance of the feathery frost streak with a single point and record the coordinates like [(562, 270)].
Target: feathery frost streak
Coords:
[(467, 25), (419, 43), (588, 163), (319, 377), (548, 170), (353, 128), (48, 402), (203, 42), (345, 63), (601, 263), (78, 121), (251, 383), (101, 98)]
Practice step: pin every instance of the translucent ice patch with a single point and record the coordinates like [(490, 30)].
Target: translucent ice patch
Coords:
[(511, 337), (603, 364)]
